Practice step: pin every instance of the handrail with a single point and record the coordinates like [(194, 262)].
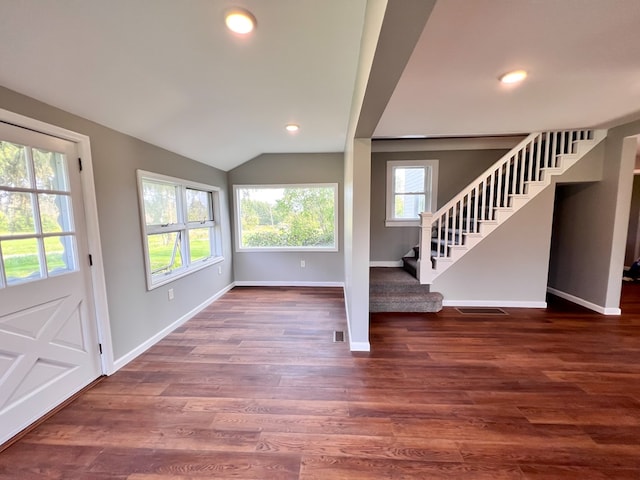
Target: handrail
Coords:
[(496, 186), (486, 173)]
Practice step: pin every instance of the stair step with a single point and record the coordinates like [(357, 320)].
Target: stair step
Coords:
[(518, 201), (458, 251), (396, 279), (488, 226), (406, 302), (503, 213), (441, 263), (410, 265), (395, 290)]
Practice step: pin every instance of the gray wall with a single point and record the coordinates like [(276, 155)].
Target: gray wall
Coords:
[(633, 234), (509, 267), (136, 314), (284, 267), (590, 226), (456, 169)]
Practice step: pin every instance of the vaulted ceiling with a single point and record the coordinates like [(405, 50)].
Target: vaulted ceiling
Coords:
[(168, 72)]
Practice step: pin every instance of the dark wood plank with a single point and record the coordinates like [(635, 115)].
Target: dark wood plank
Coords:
[(253, 387)]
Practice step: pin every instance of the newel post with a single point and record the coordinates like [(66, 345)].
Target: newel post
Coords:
[(426, 219)]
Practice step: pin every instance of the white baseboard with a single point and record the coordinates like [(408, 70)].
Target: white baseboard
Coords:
[(353, 346), (493, 303), (139, 350), (268, 283), (584, 303), (346, 312), (391, 263), (360, 346)]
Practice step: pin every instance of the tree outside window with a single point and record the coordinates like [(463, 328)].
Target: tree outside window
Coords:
[(287, 217)]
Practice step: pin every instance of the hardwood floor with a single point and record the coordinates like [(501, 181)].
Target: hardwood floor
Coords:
[(254, 387)]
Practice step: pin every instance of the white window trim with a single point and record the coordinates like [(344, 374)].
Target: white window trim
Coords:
[(433, 165), (239, 248), (188, 268)]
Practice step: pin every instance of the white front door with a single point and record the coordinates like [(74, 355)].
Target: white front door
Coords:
[(48, 334)]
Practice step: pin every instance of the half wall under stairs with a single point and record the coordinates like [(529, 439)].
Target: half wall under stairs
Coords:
[(396, 290)]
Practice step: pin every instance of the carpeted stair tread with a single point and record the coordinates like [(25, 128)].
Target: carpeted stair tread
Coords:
[(410, 265), (395, 290), (386, 279), (391, 275), (406, 302)]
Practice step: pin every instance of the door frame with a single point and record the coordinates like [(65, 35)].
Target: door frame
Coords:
[(99, 288)]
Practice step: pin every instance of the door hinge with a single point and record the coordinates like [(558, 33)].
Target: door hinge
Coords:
[(90, 260), (100, 348), (80, 163)]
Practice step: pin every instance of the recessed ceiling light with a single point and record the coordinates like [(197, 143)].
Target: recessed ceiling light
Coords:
[(292, 127), (240, 21), (513, 77)]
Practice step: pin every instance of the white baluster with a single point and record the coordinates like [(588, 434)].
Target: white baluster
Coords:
[(475, 208), (499, 185), (523, 168), (547, 150), (538, 156), (512, 179), (492, 188), (468, 203), (446, 233)]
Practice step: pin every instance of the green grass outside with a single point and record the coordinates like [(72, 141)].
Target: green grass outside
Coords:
[(161, 249), (21, 256)]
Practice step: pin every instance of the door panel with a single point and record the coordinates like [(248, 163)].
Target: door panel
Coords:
[(48, 333)]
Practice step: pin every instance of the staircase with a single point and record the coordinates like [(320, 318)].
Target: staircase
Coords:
[(496, 195)]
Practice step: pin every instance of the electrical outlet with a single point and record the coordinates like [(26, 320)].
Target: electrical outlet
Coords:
[(170, 293), (302, 264)]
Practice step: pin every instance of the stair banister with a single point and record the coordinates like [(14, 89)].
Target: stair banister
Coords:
[(493, 168)]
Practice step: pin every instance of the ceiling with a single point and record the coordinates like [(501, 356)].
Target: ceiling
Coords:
[(583, 59), (169, 73)]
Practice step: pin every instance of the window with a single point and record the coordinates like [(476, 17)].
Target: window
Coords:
[(180, 224), (37, 234), (411, 189), (286, 217)]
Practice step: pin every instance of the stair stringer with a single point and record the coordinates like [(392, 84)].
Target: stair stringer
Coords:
[(430, 269)]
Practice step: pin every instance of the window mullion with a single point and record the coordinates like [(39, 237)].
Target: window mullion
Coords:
[(3, 277), (208, 223), (183, 218), (35, 209), (170, 228)]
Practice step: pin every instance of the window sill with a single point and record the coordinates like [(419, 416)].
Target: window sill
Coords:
[(286, 249), (176, 274), (402, 223)]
